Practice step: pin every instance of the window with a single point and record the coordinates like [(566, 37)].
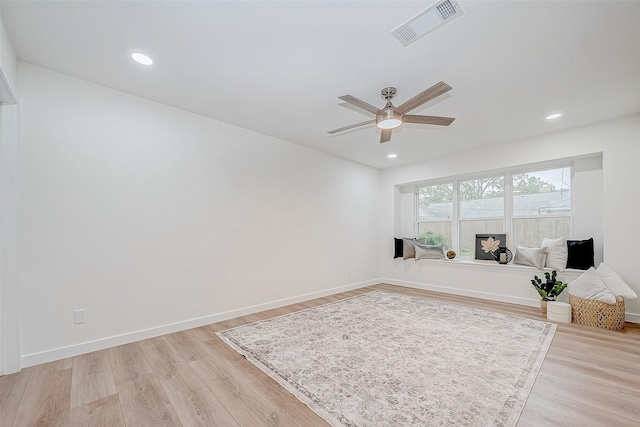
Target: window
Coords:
[(435, 213), (527, 205), (541, 206), (481, 210)]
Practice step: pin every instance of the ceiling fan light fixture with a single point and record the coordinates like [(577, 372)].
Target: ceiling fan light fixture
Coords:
[(389, 123), (389, 120), (390, 117)]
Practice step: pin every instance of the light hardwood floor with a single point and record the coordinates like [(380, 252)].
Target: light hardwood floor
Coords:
[(590, 377)]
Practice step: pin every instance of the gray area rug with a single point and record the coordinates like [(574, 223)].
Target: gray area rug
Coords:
[(384, 359)]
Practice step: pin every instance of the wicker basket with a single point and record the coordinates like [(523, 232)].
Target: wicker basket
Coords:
[(596, 313)]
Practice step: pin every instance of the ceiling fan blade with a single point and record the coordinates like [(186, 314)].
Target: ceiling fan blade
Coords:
[(368, 122), (428, 120), (433, 92), (361, 104), (385, 136)]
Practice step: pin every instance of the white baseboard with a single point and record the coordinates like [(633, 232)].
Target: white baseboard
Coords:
[(464, 292), (629, 317), (103, 343), (632, 317)]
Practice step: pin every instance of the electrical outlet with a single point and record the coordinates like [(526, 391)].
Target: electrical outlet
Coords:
[(348, 272), (80, 316)]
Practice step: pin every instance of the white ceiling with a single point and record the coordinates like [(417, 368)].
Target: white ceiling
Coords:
[(279, 67)]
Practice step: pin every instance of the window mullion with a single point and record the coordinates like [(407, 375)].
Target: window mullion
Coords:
[(508, 206), (456, 217)]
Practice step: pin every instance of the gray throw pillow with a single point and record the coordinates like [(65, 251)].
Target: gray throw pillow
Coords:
[(407, 247), (428, 251), (535, 257)]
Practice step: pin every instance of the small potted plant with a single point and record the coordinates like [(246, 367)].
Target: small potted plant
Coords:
[(549, 290)]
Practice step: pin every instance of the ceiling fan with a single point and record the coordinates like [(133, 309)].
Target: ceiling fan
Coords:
[(391, 117)]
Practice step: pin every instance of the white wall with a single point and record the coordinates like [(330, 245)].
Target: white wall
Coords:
[(616, 139), (146, 215), (588, 204), (9, 204), (8, 66)]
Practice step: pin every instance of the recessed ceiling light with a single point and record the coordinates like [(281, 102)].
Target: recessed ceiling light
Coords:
[(141, 58), (554, 116), (392, 155)]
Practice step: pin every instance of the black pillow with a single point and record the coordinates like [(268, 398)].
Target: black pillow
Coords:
[(580, 254), (398, 248)]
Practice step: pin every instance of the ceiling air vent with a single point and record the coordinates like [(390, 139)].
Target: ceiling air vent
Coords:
[(425, 22)]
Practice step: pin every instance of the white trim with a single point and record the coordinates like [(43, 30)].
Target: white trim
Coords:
[(6, 93), (632, 317), (530, 302), (103, 343), (10, 194), (517, 168)]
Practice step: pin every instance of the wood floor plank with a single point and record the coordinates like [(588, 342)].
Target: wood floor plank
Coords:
[(163, 357), (105, 412), (229, 324), (575, 410), (46, 401), (51, 367), (279, 396), (595, 369), (12, 389), (572, 379), (600, 398), (537, 416), (192, 400), (203, 333), (92, 378), (128, 362), (247, 405), (188, 345), (144, 403), (631, 395)]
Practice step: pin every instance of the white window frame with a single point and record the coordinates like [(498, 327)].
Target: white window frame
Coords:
[(455, 210), (508, 216)]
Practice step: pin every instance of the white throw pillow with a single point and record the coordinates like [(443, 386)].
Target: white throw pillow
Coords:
[(589, 286), (558, 253), (614, 282), (535, 257)]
